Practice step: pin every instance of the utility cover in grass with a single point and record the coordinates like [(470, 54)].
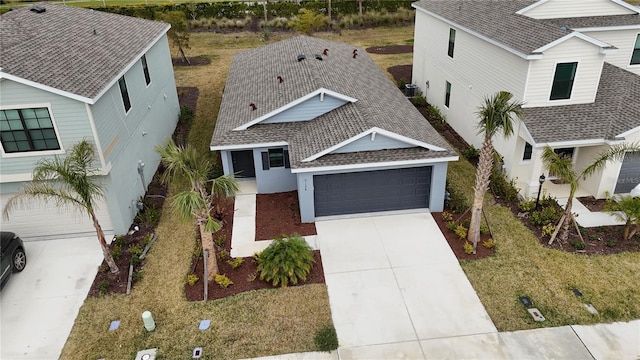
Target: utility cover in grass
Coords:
[(204, 324), (114, 325), (526, 302)]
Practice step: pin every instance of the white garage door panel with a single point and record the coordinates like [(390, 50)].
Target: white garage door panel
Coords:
[(37, 220)]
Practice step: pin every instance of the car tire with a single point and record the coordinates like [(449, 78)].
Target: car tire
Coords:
[(19, 260)]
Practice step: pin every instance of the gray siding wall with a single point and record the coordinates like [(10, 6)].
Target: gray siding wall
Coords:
[(307, 110), (70, 118), (379, 143), (129, 138), (305, 188), (273, 180)]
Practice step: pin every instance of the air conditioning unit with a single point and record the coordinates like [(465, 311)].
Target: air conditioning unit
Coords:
[(410, 90), (148, 354)]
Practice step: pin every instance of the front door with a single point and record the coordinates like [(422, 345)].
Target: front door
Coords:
[(243, 163)]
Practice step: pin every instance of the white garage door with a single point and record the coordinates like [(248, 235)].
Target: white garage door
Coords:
[(36, 220)]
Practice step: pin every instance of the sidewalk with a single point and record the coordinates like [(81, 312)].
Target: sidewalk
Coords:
[(587, 218)]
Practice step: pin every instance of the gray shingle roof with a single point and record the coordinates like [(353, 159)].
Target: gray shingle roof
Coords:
[(615, 111), (597, 21), (58, 48), (253, 79)]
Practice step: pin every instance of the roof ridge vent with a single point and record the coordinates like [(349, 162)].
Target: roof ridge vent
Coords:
[(38, 9), (301, 57)]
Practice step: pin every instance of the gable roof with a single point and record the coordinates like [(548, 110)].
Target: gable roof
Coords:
[(253, 79), (72, 51), (498, 22), (621, 3), (616, 110)]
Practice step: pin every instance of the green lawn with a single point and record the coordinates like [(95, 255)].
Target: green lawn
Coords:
[(279, 321)]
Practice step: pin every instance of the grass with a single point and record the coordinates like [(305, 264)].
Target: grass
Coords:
[(286, 320)]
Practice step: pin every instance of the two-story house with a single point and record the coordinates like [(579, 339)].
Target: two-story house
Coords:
[(574, 64), (68, 74), (320, 117)]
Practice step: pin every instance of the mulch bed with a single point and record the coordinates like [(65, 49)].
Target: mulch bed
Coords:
[(456, 244), (593, 204), (279, 214), (401, 72), (390, 49), (193, 61), (276, 214)]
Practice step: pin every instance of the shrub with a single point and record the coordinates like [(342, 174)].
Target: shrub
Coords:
[(223, 280), (548, 215), (501, 187), (119, 240), (471, 152), (192, 279), (137, 276), (286, 260), (103, 287), (489, 244), (326, 338), (457, 201), (527, 205), (186, 114), (220, 240), (484, 228), (547, 230), (235, 262), (116, 251), (461, 231), (401, 83), (419, 100), (149, 215), (610, 243), (447, 216), (136, 250), (579, 245), (435, 115), (223, 254), (452, 225), (468, 247)]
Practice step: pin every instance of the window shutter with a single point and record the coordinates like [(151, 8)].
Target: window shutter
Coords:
[(287, 164), (265, 160)]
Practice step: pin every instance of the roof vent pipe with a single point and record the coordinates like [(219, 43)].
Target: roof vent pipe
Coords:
[(280, 79), (38, 9)]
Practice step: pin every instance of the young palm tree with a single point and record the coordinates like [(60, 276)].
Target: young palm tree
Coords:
[(197, 202), (562, 167), (68, 182), (497, 116), (626, 209)]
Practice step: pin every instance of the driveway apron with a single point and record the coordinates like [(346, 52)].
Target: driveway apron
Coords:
[(393, 281)]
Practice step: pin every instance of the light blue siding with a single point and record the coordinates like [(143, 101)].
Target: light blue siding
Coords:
[(70, 118), (379, 143), (274, 180), (307, 110)]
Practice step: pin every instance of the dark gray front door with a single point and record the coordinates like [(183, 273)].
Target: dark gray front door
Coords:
[(372, 191), (629, 175), (243, 163)]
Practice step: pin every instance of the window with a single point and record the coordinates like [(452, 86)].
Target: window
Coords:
[(563, 81), (528, 150), (125, 94), (27, 130), (276, 158), (564, 152), (447, 95), (452, 41), (635, 56), (145, 69)]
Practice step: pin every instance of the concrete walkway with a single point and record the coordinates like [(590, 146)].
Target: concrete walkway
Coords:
[(587, 218)]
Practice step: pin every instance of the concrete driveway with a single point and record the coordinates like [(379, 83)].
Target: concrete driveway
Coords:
[(394, 284), (39, 305)]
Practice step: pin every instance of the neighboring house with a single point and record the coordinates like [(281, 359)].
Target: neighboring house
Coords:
[(69, 74), (320, 117), (574, 64)]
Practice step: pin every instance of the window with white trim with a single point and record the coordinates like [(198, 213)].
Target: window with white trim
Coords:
[(276, 158), (563, 81), (635, 55), (125, 94), (145, 69), (447, 94), (528, 151), (23, 130), (452, 42)]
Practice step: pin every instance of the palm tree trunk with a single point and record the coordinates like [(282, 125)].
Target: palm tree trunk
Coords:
[(564, 235), (106, 253), (485, 163), (207, 244)]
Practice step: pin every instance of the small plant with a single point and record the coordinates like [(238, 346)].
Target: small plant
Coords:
[(579, 245), (223, 254), (150, 215), (484, 228), (137, 276), (461, 231), (252, 277), (419, 100), (610, 243), (288, 259), (223, 280), (119, 240), (447, 216), (452, 225), (136, 250), (235, 262), (468, 247), (326, 338), (220, 240), (471, 152), (526, 205), (456, 200), (547, 230), (116, 251), (192, 279), (489, 244), (103, 287), (135, 261)]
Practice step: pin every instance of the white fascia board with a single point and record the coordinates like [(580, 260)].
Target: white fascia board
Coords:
[(581, 36), (524, 133), (9, 178), (478, 35), (628, 132), (320, 91), (247, 146), (4, 75), (532, 6), (130, 65), (376, 165), (376, 130), (574, 143), (608, 28), (625, 4)]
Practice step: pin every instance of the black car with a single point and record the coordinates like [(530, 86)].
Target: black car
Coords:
[(12, 255)]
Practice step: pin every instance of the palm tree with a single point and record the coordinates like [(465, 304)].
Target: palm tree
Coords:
[(497, 116), (197, 202), (68, 182), (562, 167), (626, 209)]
